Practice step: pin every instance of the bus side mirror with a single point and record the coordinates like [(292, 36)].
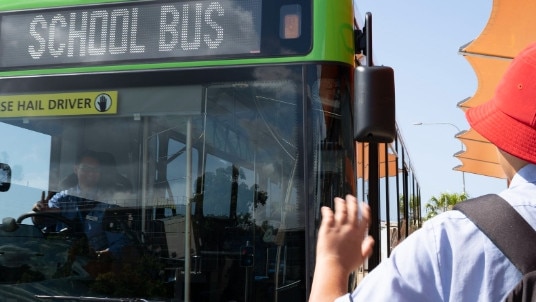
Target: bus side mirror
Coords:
[(374, 104), (5, 177)]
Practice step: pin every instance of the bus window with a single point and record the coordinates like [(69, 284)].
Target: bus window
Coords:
[(28, 154), (217, 186)]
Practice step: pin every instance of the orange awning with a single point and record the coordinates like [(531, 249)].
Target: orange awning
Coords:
[(508, 31), (479, 156), (362, 155)]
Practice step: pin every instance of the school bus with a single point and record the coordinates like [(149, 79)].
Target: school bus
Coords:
[(217, 129)]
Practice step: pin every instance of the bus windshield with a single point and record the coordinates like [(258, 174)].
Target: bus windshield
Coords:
[(195, 186)]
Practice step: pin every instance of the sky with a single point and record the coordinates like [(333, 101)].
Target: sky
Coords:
[(420, 40)]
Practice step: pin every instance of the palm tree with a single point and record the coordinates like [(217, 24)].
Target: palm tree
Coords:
[(443, 203)]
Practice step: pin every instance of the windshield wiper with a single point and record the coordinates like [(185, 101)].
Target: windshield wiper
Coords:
[(81, 298)]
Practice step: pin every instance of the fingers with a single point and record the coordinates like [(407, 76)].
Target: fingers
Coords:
[(50, 195), (343, 242), (367, 246), (327, 216), (350, 211), (41, 204), (341, 211)]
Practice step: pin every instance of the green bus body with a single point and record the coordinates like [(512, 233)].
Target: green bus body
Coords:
[(333, 41), (210, 166)]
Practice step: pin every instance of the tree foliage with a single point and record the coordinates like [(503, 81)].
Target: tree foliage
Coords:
[(413, 204), (443, 203), (414, 219)]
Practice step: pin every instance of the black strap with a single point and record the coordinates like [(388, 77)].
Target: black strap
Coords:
[(506, 228)]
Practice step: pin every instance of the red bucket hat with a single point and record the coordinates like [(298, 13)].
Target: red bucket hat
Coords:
[(508, 120)]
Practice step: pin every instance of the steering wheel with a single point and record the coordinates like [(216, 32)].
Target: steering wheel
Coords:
[(70, 224)]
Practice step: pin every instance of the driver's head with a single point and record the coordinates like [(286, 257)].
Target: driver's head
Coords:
[(88, 170)]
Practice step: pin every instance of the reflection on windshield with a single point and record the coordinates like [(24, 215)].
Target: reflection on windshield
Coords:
[(211, 207), (28, 154)]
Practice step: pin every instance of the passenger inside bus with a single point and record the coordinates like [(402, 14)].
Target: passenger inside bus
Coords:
[(84, 203)]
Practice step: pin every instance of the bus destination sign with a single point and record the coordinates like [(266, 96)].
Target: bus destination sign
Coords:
[(168, 30)]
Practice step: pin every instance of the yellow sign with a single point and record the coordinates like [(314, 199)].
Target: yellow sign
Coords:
[(59, 104)]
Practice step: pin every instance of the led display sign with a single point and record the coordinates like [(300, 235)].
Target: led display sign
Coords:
[(171, 30)]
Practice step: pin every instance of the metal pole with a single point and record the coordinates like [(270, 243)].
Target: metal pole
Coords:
[(187, 222), (374, 203)]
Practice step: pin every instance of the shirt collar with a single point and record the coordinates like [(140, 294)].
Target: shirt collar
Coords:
[(527, 174), (92, 195)]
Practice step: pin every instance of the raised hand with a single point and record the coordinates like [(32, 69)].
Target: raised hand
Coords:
[(342, 246)]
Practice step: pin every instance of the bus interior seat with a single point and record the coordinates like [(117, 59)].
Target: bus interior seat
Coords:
[(111, 176), (155, 238), (124, 220), (165, 237)]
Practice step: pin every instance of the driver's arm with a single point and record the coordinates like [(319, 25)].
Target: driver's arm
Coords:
[(42, 206)]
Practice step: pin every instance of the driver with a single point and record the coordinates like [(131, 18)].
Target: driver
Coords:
[(80, 204)]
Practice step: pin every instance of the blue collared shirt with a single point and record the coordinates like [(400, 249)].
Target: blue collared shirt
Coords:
[(449, 259), (71, 207)]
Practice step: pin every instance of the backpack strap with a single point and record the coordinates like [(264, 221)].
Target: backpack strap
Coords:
[(505, 227)]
